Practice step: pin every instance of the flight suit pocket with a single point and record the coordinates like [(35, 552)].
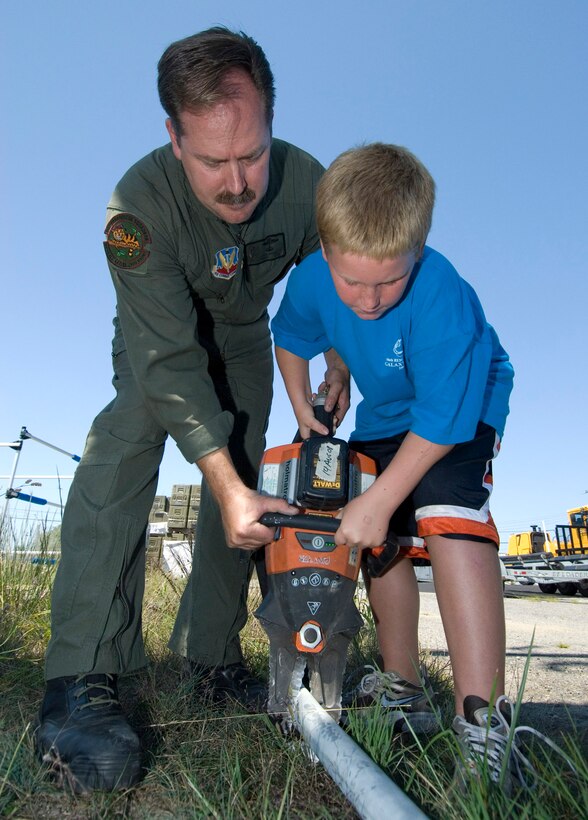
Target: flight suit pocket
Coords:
[(96, 477)]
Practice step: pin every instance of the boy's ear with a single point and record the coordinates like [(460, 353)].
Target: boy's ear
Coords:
[(323, 251)]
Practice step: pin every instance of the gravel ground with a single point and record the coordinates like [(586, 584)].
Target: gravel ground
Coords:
[(556, 691)]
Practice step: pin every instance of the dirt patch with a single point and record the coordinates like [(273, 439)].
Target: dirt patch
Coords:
[(555, 699)]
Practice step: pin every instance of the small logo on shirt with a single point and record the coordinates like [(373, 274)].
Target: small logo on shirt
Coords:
[(226, 263), (397, 360)]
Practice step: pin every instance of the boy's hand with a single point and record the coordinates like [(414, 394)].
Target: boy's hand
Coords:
[(337, 386), (365, 519), (363, 523), (307, 422)]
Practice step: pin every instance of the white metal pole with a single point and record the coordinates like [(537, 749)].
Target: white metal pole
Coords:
[(28, 476), (24, 433), (16, 445), (547, 541), (373, 795)]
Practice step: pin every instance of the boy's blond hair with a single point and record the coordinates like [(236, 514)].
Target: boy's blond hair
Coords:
[(376, 201)]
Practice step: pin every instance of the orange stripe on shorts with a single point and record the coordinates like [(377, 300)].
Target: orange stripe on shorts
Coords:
[(462, 526)]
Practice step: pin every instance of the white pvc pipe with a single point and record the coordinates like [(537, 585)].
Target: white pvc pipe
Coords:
[(373, 795)]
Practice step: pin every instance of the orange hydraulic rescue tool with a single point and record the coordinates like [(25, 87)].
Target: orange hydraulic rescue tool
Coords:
[(308, 611)]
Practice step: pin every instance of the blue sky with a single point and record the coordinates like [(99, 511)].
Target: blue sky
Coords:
[(490, 95)]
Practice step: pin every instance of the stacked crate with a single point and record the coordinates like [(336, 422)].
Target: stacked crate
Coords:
[(194, 506), (159, 509), (178, 508), (179, 512), (158, 515)]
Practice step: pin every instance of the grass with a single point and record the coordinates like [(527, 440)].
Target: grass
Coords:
[(204, 762)]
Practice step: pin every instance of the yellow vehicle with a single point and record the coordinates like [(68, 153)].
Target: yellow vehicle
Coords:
[(578, 517), (566, 550), (577, 537), (569, 539), (526, 543)]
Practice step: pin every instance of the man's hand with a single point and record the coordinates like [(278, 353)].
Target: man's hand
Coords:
[(240, 507), (241, 518), (337, 386)]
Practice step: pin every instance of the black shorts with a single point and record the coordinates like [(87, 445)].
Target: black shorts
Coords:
[(452, 499)]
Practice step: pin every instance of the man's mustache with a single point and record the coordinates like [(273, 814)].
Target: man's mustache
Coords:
[(226, 198)]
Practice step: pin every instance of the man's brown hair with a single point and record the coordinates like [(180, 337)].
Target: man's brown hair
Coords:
[(197, 72)]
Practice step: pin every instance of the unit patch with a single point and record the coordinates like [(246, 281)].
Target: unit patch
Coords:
[(226, 263), (126, 240)]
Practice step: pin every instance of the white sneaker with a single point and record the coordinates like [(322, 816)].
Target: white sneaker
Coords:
[(490, 747), (409, 708)]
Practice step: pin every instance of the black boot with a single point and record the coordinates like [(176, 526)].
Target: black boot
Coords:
[(232, 682), (84, 736)]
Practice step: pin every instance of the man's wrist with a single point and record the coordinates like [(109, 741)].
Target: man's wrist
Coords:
[(221, 476)]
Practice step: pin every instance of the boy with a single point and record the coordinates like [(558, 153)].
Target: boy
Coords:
[(435, 383)]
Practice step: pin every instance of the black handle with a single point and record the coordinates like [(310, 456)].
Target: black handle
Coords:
[(377, 564), (325, 417), (300, 522), (378, 561)]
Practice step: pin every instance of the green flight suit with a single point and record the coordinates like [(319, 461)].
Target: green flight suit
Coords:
[(192, 359)]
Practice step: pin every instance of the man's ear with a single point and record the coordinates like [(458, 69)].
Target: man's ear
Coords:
[(174, 139)]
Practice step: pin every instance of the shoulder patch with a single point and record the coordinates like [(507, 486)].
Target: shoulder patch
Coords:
[(126, 242)]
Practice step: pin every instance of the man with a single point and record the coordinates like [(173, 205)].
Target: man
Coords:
[(197, 234)]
